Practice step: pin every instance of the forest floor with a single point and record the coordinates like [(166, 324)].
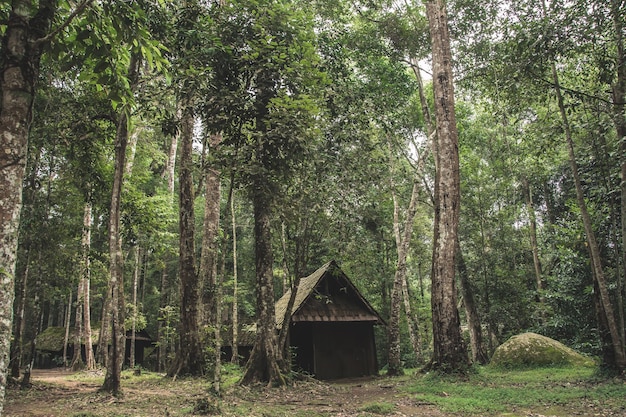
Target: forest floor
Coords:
[(59, 393)]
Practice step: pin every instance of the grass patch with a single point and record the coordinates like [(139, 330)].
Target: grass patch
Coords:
[(379, 408), (492, 391)]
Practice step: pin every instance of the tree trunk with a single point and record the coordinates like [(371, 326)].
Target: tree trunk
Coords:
[(618, 361), (189, 358), (473, 319), (533, 239), (619, 117), (403, 243), (68, 317), (133, 332), (209, 256), (449, 353), (77, 360), (17, 348), (235, 356), (20, 56), (117, 307), (263, 363)]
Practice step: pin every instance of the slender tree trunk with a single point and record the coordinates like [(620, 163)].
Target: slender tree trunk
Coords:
[(189, 358), (68, 318), (473, 319), (133, 332), (20, 56), (235, 348), (619, 359), (533, 240), (403, 243), (115, 360), (77, 360), (90, 362), (449, 353), (263, 364), (619, 107)]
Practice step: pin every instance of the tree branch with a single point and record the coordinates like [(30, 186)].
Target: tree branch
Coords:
[(79, 9)]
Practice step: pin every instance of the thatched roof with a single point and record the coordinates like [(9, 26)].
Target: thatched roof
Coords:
[(53, 338), (356, 309)]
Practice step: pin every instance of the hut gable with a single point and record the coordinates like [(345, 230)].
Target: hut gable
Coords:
[(331, 332), (327, 295)]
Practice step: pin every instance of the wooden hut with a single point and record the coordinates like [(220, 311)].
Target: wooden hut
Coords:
[(332, 326)]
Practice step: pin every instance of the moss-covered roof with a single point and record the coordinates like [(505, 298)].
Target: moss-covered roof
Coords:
[(355, 309), (53, 338)]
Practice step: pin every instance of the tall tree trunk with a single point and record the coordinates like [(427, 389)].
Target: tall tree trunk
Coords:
[(68, 318), (209, 256), (235, 342), (115, 360), (209, 280), (619, 355), (403, 242), (19, 70), (449, 353), (619, 117), (189, 357), (473, 319), (528, 196), (77, 359), (133, 331), (90, 362), (263, 364)]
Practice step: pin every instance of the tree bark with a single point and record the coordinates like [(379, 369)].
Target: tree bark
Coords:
[(20, 62), (449, 353), (235, 349), (209, 255), (473, 319), (68, 317), (77, 359), (263, 363), (133, 332), (189, 357)]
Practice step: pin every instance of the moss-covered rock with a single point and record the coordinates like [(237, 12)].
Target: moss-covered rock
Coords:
[(534, 350)]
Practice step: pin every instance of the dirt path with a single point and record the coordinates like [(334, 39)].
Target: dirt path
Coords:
[(55, 393)]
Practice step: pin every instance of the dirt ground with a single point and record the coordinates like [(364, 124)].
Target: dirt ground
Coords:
[(54, 394)]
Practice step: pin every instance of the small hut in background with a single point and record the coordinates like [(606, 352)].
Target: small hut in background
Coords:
[(332, 326), (49, 346)]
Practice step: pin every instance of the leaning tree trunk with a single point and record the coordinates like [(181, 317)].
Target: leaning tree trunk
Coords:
[(189, 358), (618, 361), (473, 319), (449, 354), (20, 56), (263, 364)]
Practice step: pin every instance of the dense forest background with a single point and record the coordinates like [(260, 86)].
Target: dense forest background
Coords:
[(320, 112)]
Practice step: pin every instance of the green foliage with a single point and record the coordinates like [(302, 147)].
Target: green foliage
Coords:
[(380, 408)]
